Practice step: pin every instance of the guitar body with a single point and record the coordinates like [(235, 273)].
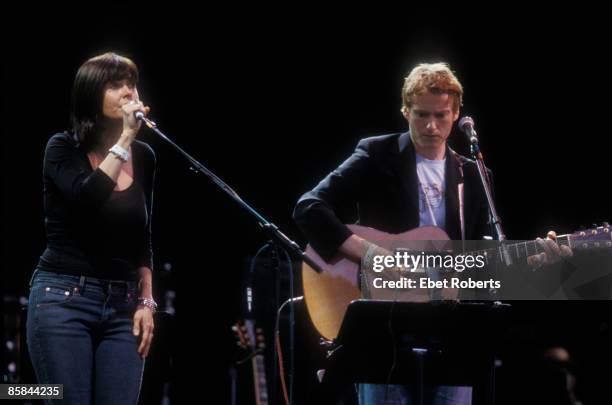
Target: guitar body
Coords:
[(329, 293)]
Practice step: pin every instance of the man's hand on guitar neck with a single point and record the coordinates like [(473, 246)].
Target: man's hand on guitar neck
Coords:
[(552, 251)]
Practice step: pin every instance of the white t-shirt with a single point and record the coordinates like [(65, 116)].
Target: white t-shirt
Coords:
[(432, 191)]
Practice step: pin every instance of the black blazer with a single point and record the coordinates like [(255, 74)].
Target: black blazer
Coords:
[(379, 184)]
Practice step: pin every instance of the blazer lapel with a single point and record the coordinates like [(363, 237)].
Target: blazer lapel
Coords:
[(405, 166), (453, 226)]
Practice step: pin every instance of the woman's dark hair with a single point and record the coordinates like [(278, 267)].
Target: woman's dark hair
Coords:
[(88, 93)]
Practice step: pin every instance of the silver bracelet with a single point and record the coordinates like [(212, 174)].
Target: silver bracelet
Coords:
[(120, 152), (149, 303), (369, 254)]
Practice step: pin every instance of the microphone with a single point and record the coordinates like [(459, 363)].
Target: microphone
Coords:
[(466, 125), (139, 115)]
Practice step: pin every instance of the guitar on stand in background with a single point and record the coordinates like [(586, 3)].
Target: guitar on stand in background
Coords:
[(252, 342)]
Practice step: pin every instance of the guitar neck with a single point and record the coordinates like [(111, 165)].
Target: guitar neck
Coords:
[(520, 251), (259, 380)]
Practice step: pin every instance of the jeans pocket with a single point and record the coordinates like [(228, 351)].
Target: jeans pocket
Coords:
[(53, 295)]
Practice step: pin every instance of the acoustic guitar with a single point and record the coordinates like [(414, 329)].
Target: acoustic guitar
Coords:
[(328, 294)]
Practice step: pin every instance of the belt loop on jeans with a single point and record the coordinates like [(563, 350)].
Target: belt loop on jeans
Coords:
[(33, 276)]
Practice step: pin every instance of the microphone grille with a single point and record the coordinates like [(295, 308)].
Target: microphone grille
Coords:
[(466, 121)]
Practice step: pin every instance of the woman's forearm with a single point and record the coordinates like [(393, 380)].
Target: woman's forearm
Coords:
[(145, 285)]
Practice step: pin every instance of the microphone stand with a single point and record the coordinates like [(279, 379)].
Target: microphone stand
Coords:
[(484, 179), (272, 230)]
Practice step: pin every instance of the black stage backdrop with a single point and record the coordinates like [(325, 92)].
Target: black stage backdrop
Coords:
[(273, 99)]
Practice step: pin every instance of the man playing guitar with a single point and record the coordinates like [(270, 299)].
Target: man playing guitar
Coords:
[(398, 182)]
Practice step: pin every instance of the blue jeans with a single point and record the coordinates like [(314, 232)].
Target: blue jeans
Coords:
[(79, 333), (381, 394)]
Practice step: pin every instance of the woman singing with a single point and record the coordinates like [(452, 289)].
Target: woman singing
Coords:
[(90, 312)]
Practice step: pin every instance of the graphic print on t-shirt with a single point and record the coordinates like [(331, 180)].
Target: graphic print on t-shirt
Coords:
[(432, 207), (431, 194)]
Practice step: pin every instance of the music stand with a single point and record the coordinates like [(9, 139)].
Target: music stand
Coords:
[(435, 343)]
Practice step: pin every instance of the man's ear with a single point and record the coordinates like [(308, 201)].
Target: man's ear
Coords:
[(456, 115), (405, 112)]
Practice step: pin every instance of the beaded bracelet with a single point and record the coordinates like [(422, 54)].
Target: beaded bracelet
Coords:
[(149, 303)]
